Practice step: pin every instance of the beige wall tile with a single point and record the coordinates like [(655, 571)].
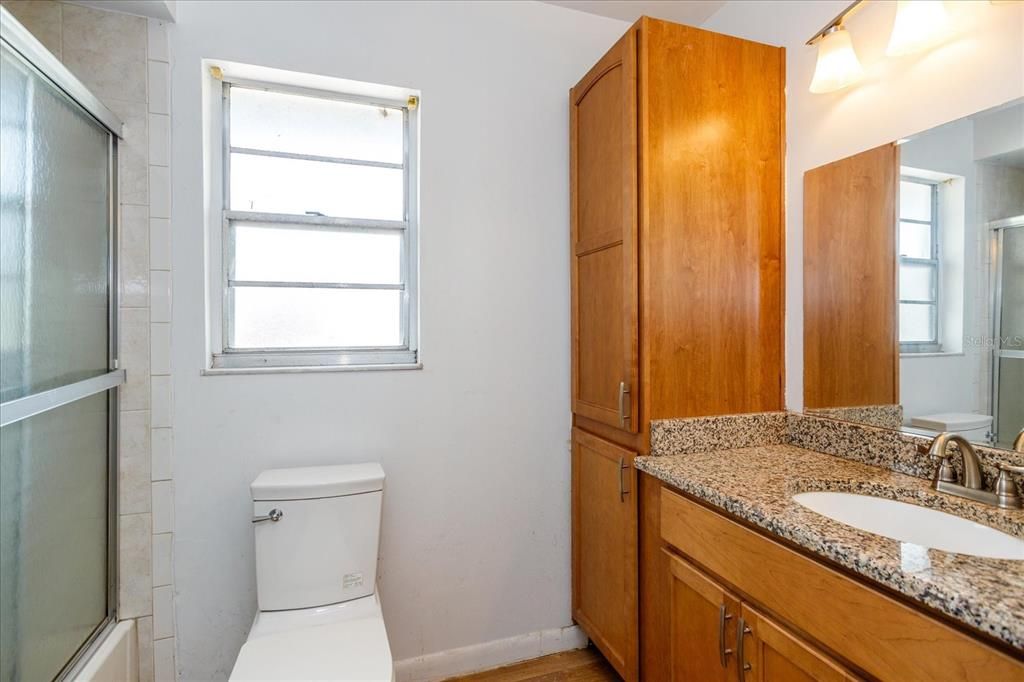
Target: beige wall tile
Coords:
[(161, 399), (133, 455), (159, 244), (159, 88), (162, 444), (163, 508), (42, 18), (134, 560), (145, 630), (159, 192), (133, 151), (134, 358), (160, 296), (163, 657), (160, 348), (106, 77), (163, 612), (162, 558), (133, 257), (159, 139), (157, 40), (107, 50)]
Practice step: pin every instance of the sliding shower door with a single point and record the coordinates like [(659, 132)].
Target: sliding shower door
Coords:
[(58, 399), (1008, 369)]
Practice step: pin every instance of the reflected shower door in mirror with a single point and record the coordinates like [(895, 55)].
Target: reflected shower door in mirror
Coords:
[(914, 281)]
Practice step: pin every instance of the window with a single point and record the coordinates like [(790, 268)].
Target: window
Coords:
[(918, 266), (319, 229)]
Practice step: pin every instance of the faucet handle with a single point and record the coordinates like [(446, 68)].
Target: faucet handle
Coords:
[(1007, 496)]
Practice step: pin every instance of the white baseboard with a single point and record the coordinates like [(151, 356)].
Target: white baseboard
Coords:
[(476, 657)]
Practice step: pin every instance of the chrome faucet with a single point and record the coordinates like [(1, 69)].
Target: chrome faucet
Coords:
[(1003, 495)]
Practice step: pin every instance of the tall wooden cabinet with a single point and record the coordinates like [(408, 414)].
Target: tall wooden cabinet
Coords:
[(677, 274)]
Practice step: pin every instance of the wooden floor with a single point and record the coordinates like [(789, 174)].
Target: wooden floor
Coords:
[(583, 665)]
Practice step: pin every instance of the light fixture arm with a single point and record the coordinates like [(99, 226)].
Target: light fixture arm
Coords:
[(836, 22)]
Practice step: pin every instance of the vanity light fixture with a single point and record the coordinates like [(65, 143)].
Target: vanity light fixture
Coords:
[(837, 65), (919, 24)]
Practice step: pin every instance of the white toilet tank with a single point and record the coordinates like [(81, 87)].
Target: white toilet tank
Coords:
[(323, 547)]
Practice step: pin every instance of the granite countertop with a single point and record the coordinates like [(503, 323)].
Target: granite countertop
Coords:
[(756, 484)]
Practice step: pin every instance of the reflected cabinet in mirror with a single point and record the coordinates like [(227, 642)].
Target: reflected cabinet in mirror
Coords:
[(914, 281)]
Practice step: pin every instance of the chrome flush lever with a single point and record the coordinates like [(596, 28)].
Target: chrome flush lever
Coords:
[(275, 515)]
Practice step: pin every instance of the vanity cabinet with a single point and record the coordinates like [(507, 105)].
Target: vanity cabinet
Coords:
[(706, 644), (676, 147), (823, 624)]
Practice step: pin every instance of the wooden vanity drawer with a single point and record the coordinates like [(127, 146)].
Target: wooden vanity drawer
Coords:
[(882, 636)]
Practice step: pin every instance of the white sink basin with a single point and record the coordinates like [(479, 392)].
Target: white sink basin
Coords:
[(910, 523)]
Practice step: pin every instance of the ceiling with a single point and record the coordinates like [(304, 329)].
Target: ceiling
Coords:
[(692, 12)]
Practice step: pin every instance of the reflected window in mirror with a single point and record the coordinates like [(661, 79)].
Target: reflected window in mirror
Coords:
[(919, 266)]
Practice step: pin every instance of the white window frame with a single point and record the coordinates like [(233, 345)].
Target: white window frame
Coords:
[(221, 261), (934, 262)]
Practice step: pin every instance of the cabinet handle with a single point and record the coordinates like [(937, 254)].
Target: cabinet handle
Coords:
[(741, 665), (622, 486), (624, 405), (722, 651)]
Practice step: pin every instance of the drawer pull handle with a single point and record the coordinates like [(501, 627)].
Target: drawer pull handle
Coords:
[(741, 665), (622, 485), (624, 411), (722, 651)]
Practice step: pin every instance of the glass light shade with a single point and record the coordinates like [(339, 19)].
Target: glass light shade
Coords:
[(837, 65), (919, 24)]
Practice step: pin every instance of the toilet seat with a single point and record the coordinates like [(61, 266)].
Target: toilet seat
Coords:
[(344, 641)]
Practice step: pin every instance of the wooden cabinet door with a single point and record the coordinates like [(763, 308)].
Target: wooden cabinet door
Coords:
[(775, 655), (604, 549), (703, 623), (603, 172), (851, 318)]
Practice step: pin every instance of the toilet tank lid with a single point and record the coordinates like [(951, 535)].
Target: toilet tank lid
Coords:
[(305, 483), (952, 421)]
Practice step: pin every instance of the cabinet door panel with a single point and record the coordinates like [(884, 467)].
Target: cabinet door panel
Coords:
[(703, 626), (603, 168), (775, 655), (604, 538)]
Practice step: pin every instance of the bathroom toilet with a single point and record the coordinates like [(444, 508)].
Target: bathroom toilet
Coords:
[(317, 533), (973, 427)]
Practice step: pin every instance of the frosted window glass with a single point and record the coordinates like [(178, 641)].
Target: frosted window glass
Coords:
[(917, 323), (53, 536), (53, 236), (1011, 323), (915, 201), (292, 254), (916, 240), (273, 185), (314, 126), (917, 282), (312, 318)]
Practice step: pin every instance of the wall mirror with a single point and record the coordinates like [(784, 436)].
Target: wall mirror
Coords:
[(914, 281)]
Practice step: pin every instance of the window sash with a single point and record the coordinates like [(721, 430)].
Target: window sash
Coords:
[(932, 345), (313, 356)]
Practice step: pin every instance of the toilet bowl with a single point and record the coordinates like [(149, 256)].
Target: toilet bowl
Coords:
[(317, 533), (974, 427)]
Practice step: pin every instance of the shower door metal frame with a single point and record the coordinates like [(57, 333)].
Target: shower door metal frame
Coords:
[(29, 50), (998, 231)]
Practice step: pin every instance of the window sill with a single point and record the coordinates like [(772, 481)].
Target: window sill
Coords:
[(232, 371), (939, 354)]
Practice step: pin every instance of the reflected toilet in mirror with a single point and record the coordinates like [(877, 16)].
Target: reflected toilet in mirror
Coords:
[(914, 282)]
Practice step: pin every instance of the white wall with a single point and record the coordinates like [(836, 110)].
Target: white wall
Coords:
[(980, 66), (475, 445)]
